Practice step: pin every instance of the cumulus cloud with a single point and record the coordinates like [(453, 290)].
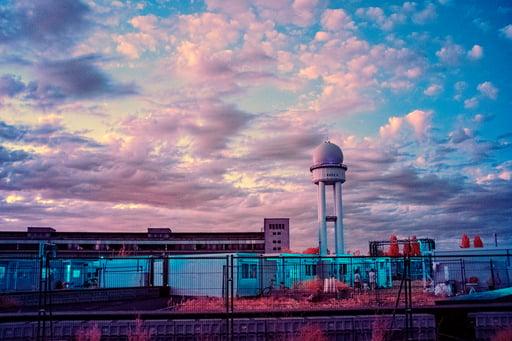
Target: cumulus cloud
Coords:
[(336, 20), (425, 15), (507, 31), (433, 90), (233, 98), (460, 135), (450, 53), (418, 120), (377, 15), (476, 52), (488, 90), (471, 103), (399, 15)]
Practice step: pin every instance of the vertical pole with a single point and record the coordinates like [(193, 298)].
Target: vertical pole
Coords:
[(322, 225), (165, 270), (336, 232), (492, 275), (232, 278), (340, 248), (463, 275)]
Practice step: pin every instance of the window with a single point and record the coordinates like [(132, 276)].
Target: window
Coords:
[(249, 271), (343, 269), (310, 269)]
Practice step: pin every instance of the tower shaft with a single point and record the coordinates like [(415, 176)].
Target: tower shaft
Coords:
[(338, 205), (322, 219)]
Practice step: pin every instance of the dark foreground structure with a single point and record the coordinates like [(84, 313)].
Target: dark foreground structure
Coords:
[(256, 297)]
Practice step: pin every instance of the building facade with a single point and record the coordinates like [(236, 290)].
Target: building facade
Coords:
[(156, 241), (277, 235)]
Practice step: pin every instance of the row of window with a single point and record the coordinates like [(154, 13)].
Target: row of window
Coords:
[(276, 233), (135, 247), (276, 226), (250, 270)]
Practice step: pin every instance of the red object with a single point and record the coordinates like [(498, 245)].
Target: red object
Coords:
[(407, 249), (477, 242), (464, 242), (415, 247), (473, 279), (394, 251), (311, 251)]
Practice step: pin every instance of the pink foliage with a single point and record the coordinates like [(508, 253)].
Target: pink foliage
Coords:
[(503, 335), (310, 333), (90, 333), (311, 251), (139, 333), (380, 327)]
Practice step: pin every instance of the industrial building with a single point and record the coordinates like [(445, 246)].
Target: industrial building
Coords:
[(274, 237)]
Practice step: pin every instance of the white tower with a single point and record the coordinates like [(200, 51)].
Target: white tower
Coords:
[(328, 169)]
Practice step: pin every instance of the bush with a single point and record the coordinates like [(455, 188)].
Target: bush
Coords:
[(90, 333)]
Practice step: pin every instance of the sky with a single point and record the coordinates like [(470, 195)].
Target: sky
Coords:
[(203, 115)]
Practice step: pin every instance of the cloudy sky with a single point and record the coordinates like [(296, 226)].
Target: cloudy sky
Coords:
[(202, 116)]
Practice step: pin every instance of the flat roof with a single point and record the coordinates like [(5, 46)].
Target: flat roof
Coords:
[(5, 235)]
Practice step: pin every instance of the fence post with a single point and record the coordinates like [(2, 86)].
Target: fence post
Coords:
[(463, 274), (166, 290), (493, 283), (151, 271)]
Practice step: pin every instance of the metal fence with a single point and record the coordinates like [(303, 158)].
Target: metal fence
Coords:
[(243, 282)]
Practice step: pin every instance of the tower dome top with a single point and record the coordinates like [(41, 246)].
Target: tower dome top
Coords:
[(327, 153)]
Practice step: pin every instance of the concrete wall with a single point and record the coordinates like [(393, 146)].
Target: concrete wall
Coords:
[(353, 328), (85, 295)]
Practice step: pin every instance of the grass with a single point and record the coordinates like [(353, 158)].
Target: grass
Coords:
[(369, 300)]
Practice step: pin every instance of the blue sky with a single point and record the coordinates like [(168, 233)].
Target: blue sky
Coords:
[(203, 115)]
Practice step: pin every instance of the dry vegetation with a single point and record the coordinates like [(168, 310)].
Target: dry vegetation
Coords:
[(368, 300), (93, 333), (310, 333)]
